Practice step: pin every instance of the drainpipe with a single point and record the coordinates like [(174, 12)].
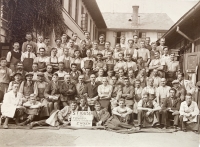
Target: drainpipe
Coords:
[(192, 75)]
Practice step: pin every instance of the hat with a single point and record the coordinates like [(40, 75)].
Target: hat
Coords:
[(17, 73), (28, 73), (41, 74), (175, 82), (100, 54), (198, 83)]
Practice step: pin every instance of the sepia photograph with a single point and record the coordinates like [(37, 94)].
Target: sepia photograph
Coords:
[(99, 73)]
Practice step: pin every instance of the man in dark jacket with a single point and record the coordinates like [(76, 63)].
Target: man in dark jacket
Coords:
[(170, 109), (91, 92)]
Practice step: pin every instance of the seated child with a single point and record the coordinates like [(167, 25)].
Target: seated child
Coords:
[(32, 109)]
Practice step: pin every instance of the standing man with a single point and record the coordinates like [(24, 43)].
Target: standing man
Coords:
[(66, 59), (165, 56), (59, 48), (162, 92), (135, 42), (74, 38), (144, 53), (41, 60), (48, 47), (67, 90), (123, 43), (101, 41), (27, 58), (64, 41), (106, 49), (88, 40), (157, 64), (14, 56), (172, 67), (87, 62), (180, 91), (91, 92), (130, 50), (71, 47), (170, 109), (161, 46), (147, 43), (5, 75), (29, 38)]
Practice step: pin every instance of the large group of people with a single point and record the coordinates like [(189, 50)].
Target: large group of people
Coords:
[(134, 80)]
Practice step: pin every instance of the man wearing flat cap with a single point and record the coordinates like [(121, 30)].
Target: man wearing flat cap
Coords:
[(180, 91), (99, 63), (28, 86)]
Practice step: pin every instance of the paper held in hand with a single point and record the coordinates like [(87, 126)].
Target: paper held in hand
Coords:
[(82, 119)]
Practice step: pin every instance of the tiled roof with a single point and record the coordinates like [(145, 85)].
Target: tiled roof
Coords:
[(147, 21)]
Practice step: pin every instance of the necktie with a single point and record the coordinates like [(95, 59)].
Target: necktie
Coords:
[(28, 54)]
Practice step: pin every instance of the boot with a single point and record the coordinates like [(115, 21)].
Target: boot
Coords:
[(17, 121), (24, 123), (5, 125), (33, 124)]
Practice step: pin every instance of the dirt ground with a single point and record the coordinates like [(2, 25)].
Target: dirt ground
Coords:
[(67, 137)]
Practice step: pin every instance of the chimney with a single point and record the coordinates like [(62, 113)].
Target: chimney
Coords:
[(135, 15)]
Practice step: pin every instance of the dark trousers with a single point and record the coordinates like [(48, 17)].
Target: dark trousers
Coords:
[(141, 116), (184, 124), (167, 115), (118, 123)]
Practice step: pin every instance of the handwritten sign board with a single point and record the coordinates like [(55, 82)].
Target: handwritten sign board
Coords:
[(192, 61), (82, 119)]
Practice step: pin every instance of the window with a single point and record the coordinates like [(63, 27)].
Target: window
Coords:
[(160, 35), (118, 37), (84, 22), (77, 11), (70, 7), (142, 35)]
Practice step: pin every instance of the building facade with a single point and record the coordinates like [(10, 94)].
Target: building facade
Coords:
[(81, 16), (184, 36), (152, 25)]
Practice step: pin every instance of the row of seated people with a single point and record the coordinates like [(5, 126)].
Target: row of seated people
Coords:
[(120, 101)]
